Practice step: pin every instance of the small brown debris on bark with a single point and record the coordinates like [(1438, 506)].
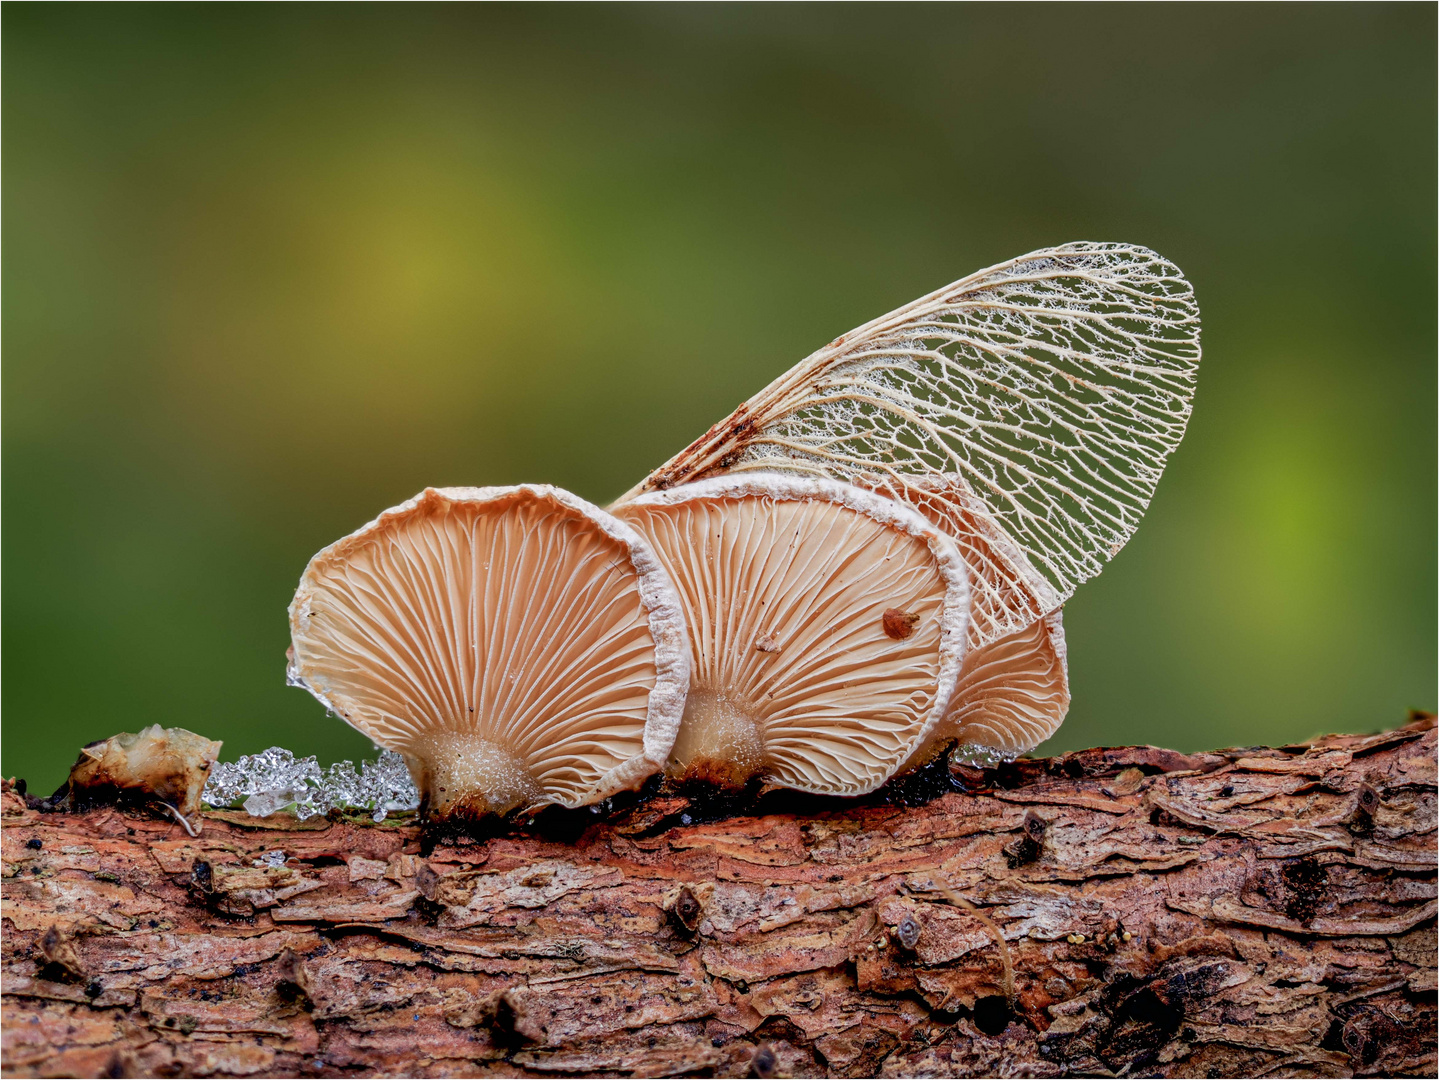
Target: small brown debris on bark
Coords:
[(1265, 911), (907, 932), (762, 1062), (686, 911), (1031, 841), (62, 962), (292, 981)]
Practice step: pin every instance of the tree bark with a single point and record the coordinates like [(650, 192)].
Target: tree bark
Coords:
[(1139, 911)]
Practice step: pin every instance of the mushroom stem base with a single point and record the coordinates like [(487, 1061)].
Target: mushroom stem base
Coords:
[(458, 770), (719, 742)]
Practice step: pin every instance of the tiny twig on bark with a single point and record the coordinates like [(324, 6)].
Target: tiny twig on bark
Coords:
[(994, 932)]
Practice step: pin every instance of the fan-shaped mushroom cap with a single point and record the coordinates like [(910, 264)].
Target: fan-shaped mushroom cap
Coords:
[(1012, 694), (518, 645), (828, 626)]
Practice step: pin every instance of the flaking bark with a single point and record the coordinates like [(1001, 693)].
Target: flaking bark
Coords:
[(1249, 912)]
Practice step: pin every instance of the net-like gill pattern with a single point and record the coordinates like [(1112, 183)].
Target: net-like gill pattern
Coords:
[(1044, 395)]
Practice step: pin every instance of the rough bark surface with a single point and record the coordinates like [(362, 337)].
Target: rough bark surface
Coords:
[(1250, 912)]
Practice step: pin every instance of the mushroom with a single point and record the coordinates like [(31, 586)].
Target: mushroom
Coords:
[(1012, 694), (517, 645), (1013, 691), (828, 625)]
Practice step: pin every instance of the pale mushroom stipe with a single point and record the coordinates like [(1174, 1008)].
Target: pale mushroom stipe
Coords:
[(860, 566)]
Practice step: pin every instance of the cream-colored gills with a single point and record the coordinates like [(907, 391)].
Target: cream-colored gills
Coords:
[(518, 645), (827, 623), (1012, 694)]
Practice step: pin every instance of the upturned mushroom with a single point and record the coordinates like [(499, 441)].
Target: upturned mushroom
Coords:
[(517, 645), (1012, 694), (828, 627), (1013, 691)]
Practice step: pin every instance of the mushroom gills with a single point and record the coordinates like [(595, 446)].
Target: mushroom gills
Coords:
[(518, 646), (1012, 694), (828, 625)]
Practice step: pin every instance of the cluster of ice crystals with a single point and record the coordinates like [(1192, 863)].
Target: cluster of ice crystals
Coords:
[(985, 757), (275, 779)]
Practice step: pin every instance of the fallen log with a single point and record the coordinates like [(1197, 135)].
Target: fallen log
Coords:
[(1264, 911)]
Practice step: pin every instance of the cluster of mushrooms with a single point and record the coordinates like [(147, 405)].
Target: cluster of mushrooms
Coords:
[(862, 566)]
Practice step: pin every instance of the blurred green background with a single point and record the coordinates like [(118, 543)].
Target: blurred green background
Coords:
[(270, 269)]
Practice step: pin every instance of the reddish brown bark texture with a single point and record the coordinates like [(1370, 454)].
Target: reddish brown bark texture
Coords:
[(1252, 912)]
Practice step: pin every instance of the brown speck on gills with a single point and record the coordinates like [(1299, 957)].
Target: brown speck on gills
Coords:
[(899, 624)]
